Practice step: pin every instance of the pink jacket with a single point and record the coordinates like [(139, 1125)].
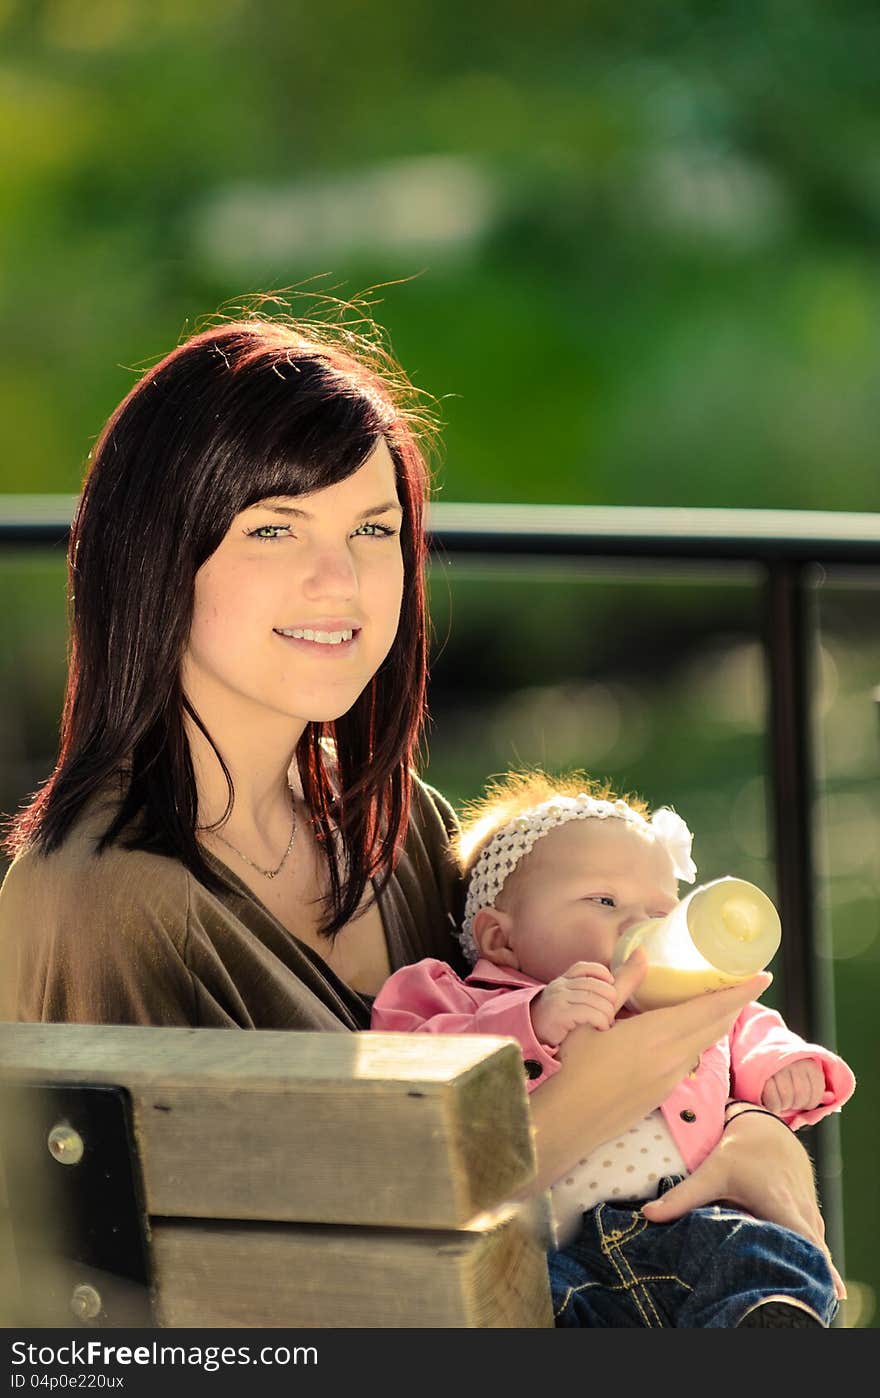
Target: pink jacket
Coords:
[(429, 998)]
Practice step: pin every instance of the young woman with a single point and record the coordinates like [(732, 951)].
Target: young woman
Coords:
[(232, 835)]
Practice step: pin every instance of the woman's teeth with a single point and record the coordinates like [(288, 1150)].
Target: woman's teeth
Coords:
[(324, 638)]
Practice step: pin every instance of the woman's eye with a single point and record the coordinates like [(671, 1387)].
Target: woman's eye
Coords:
[(374, 531), (269, 531)]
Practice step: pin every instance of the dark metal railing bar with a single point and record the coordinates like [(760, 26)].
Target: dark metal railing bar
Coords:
[(791, 644), (686, 533), (577, 530), (790, 675)]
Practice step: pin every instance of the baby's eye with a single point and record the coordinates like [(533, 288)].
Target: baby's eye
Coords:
[(374, 530), (268, 531), (604, 899)]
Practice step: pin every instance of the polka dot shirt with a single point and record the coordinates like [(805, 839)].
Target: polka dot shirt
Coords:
[(629, 1167)]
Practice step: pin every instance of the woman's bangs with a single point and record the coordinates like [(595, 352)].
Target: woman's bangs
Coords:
[(302, 445), (292, 474)]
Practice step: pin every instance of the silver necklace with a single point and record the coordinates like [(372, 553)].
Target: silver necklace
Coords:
[(267, 873)]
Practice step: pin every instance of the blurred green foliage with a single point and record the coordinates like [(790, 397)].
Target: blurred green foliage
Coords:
[(642, 239), (633, 251)]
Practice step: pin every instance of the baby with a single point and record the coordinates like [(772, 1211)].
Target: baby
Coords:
[(556, 875)]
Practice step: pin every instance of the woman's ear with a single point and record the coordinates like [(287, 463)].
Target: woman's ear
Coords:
[(492, 930)]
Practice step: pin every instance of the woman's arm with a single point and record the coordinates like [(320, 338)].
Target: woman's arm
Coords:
[(758, 1166), (96, 946)]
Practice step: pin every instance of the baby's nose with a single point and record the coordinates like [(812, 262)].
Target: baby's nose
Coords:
[(631, 918)]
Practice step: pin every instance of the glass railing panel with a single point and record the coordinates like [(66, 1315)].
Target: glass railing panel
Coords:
[(649, 675)]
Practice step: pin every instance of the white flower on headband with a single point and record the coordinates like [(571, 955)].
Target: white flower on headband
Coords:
[(677, 840), (500, 856)]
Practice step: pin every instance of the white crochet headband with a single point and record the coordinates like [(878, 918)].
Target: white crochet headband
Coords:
[(508, 845)]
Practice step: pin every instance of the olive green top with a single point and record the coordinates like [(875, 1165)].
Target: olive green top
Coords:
[(130, 937)]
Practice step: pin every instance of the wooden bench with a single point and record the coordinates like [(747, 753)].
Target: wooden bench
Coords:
[(179, 1177)]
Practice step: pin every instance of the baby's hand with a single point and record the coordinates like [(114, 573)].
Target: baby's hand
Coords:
[(584, 994), (796, 1088)]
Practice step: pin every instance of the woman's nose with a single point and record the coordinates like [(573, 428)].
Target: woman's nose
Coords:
[(332, 574)]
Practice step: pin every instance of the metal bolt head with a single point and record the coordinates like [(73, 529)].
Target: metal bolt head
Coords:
[(65, 1145), (86, 1302)]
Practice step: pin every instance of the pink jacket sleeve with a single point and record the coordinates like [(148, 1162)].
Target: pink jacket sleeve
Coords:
[(761, 1043), (429, 998)]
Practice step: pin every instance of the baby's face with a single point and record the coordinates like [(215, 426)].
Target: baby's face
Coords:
[(579, 889)]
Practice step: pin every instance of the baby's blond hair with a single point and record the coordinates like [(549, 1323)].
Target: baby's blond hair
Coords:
[(508, 796)]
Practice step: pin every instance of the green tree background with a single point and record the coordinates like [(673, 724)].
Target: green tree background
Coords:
[(633, 252)]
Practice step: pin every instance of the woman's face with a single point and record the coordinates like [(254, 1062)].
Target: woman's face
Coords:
[(297, 608)]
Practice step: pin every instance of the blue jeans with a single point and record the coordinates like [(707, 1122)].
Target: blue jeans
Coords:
[(703, 1270)]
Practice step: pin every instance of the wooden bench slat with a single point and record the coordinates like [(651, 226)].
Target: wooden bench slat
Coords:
[(227, 1274), (388, 1130)]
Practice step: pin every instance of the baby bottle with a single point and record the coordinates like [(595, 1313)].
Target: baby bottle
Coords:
[(718, 935)]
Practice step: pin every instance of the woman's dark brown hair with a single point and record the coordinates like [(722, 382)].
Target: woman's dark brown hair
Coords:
[(238, 413)]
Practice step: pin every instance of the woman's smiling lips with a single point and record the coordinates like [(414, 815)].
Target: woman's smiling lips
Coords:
[(332, 637)]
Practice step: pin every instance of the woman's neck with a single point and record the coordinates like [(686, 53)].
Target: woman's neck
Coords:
[(259, 755)]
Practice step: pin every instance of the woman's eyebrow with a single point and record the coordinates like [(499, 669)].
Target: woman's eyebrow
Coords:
[(277, 509)]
